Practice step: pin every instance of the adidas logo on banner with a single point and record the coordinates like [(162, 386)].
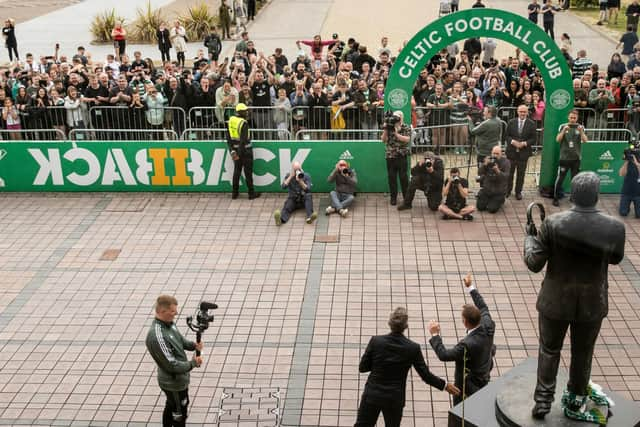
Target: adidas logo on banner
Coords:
[(606, 156), (346, 155)]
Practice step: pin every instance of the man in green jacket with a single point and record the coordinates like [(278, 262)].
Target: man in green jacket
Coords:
[(167, 347), (488, 133)]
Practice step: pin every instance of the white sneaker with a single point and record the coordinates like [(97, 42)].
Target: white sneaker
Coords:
[(330, 210), (344, 212)]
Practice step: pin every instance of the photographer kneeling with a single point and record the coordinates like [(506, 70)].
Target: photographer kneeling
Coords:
[(427, 175), (342, 197), (299, 184), (493, 175), (631, 184), (456, 191)]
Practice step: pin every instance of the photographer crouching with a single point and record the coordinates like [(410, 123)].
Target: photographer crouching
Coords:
[(396, 135), (167, 347), (299, 185), (493, 176), (342, 197), (456, 191), (631, 185), (427, 175)]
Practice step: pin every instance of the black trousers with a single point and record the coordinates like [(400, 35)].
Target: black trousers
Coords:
[(521, 167), (565, 166), (164, 52), (490, 202), (251, 9), (368, 413), (583, 339), (175, 409), (245, 162), (548, 28), (433, 195), (180, 58), (397, 169), (13, 50)]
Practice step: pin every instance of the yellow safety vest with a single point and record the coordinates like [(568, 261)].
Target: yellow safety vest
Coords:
[(235, 124)]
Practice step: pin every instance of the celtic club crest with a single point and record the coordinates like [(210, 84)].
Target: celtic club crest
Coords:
[(398, 98)]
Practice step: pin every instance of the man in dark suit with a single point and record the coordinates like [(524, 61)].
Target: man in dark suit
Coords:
[(389, 358), (521, 136), (475, 351), (577, 246)]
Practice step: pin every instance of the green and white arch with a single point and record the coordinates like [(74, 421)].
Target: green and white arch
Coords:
[(500, 25)]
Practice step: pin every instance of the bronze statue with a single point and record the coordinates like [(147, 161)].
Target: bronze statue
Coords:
[(577, 246)]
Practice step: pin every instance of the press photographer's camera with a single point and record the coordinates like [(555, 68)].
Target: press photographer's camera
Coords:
[(493, 161), (455, 179), (631, 152), (300, 174), (428, 163), (346, 171)]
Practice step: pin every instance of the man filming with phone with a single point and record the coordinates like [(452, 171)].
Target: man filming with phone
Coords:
[(167, 347)]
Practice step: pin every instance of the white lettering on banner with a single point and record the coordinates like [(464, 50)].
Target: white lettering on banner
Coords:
[(216, 166), (48, 166), (545, 58), (93, 165), (116, 168), (144, 167), (195, 167), (267, 156), (286, 160)]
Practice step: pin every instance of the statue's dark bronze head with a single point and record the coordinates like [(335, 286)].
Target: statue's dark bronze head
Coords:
[(584, 189)]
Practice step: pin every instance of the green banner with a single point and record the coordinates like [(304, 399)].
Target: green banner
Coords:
[(605, 159), (179, 165), (500, 25)]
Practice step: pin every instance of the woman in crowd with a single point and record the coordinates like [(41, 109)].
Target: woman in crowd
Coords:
[(179, 40), (10, 41), (119, 36), (11, 119)]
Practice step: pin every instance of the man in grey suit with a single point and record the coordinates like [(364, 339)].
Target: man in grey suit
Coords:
[(577, 246), (521, 136)]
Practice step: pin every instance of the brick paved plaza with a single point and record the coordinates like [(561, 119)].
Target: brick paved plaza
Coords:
[(80, 273)]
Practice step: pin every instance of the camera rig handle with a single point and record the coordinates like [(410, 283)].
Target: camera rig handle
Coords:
[(202, 321)]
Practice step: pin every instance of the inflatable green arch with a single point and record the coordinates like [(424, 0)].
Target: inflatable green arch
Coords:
[(501, 25)]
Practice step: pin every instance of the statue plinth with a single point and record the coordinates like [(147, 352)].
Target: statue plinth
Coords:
[(507, 401)]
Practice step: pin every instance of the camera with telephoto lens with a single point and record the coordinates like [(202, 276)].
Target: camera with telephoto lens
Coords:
[(428, 163), (346, 171), (631, 152), (300, 174), (455, 179)]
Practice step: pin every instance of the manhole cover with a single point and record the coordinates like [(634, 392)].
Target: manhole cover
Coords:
[(110, 255), (327, 238), (258, 407)]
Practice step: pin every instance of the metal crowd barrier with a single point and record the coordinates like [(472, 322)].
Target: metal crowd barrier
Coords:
[(122, 118), (212, 134), (32, 135), (123, 134), (338, 134)]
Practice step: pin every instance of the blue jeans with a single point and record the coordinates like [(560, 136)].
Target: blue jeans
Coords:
[(625, 205), (340, 200)]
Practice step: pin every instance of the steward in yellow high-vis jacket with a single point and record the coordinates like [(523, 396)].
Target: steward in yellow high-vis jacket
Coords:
[(241, 151)]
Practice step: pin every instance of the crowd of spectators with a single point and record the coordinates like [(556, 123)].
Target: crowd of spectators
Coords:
[(331, 85)]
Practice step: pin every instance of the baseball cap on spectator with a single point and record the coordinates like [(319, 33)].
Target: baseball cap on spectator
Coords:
[(398, 113)]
